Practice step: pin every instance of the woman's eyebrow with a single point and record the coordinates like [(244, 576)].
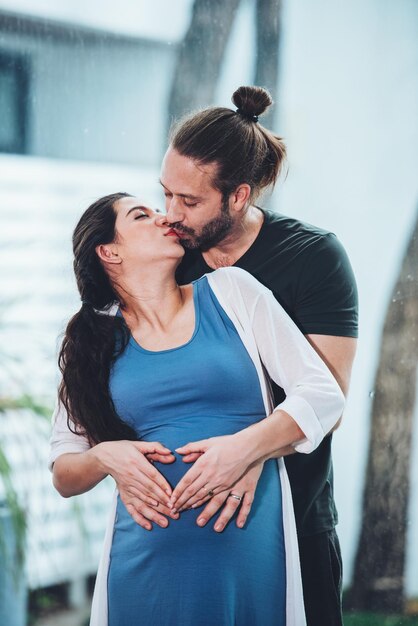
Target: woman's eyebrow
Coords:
[(134, 208)]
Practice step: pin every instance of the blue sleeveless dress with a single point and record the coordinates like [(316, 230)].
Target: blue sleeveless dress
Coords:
[(185, 575)]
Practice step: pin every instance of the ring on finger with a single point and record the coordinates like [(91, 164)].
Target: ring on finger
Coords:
[(236, 496), (209, 492)]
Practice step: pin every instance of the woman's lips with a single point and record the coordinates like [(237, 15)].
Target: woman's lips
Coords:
[(172, 233)]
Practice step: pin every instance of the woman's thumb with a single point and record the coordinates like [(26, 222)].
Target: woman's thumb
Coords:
[(148, 447)]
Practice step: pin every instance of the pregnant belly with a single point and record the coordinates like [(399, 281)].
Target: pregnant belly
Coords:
[(265, 512), (183, 537)]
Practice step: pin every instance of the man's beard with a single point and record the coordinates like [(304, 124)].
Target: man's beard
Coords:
[(212, 233)]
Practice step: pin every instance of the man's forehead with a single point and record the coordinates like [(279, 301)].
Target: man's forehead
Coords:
[(185, 176)]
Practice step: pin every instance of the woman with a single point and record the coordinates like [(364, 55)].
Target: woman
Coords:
[(176, 365)]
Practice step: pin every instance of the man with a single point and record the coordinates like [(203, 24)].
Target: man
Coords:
[(217, 164)]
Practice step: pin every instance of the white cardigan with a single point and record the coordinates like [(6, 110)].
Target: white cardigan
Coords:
[(313, 399)]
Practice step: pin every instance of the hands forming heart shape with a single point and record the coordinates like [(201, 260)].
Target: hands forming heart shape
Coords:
[(218, 464)]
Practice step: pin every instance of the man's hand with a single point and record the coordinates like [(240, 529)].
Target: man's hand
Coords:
[(221, 463), (245, 487)]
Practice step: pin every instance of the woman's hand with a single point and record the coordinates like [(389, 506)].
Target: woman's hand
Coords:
[(142, 488), (221, 462)]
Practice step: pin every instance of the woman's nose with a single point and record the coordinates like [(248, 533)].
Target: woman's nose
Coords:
[(161, 219)]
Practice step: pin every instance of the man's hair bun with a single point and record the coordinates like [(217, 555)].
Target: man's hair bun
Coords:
[(251, 101)]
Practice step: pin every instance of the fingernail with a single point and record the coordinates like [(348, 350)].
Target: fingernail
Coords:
[(174, 510), (168, 492), (218, 527), (164, 524), (201, 521), (240, 524)]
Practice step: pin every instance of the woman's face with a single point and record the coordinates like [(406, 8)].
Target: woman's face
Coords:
[(142, 235)]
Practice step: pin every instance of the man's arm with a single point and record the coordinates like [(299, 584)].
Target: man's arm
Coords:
[(338, 353)]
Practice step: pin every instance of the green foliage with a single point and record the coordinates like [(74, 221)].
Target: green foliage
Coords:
[(17, 512), (25, 401)]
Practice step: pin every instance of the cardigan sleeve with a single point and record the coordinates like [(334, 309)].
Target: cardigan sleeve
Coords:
[(62, 439), (313, 397)]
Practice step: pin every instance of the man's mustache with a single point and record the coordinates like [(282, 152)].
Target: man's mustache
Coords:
[(177, 226)]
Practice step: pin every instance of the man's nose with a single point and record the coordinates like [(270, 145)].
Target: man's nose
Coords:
[(173, 211)]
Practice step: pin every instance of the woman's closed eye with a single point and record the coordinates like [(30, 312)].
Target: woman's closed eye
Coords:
[(140, 214)]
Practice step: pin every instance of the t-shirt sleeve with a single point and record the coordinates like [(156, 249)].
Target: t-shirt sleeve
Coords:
[(326, 296)]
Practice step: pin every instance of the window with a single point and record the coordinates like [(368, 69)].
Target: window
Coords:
[(14, 85)]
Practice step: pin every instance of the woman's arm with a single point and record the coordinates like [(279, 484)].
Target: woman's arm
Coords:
[(77, 467), (141, 487), (74, 473)]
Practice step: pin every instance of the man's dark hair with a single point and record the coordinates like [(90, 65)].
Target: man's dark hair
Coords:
[(244, 151)]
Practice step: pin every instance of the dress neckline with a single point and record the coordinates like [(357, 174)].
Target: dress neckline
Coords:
[(134, 343)]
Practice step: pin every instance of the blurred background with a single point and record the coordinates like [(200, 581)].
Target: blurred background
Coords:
[(87, 94)]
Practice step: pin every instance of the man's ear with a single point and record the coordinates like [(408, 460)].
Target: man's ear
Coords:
[(107, 253), (240, 197)]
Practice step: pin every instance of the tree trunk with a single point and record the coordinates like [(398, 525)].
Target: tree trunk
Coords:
[(200, 56), (378, 582), (268, 21)]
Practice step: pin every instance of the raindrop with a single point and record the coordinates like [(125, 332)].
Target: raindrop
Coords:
[(372, 393)]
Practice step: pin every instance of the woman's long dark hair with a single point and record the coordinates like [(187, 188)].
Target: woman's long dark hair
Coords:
[(93, 338)]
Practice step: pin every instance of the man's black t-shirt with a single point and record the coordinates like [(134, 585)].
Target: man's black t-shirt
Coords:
[(309, 273)]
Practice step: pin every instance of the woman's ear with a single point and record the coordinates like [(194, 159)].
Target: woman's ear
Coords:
[(107, 253)]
